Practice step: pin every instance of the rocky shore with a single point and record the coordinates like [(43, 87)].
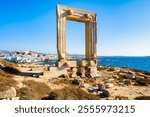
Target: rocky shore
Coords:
[(40, 82)]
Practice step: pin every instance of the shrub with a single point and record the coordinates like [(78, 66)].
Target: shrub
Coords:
[(9, 67), (70, 92), (8, 64), (143, 98), (33, 90), (26, 93), (3, 74), (6, 83)]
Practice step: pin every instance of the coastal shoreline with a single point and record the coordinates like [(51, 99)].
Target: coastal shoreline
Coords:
[(38, 82)]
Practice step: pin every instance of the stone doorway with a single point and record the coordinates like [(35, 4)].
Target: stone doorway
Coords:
[(89, 19)]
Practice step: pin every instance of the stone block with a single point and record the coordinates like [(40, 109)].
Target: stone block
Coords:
[(82, 63), (109, 85), (66, 64), (94, 75), (61, 65), (74, 69), (89, 18), (72, 63), (73, 75), (129, 76), (109, 80), (115, 76), (92, 63), (83, 75), (81, 69), (56, 74), (93, 70), (15, 98), (53, 68)]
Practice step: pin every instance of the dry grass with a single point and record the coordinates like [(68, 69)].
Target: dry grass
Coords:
[(63, 80), (26, 93), (33, 90), (143, 98), (6, 83), (9, 67), (8, 64), (70, 93), (6, 79), (4, 74)]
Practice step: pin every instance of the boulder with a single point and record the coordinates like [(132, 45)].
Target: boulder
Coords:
[(110, 98), (121, 74), (78, 81), (64, 76), (129, 75), (127, 82), (15, 98), (94, 75), (105, 93), (71, 63), (92, 90), (109, 85), (111, 69), (82, 75), (10, 93), (100, 67), (142, 80), (101, 87), (109, 80), (115, 76), (92, 63), (137, 78), (73, 73), (1, 65), (124, 70)]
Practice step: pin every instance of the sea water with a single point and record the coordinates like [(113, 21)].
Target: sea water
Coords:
[(140, 63)]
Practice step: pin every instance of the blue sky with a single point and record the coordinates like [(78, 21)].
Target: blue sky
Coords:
[(123, 26)]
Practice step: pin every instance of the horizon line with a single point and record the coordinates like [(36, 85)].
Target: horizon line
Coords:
[(81, 54)]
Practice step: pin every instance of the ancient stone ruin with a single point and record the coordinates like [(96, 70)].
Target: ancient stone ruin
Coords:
[(83, 67)]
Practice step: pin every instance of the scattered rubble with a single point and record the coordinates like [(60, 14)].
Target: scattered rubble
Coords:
[(117, 84)]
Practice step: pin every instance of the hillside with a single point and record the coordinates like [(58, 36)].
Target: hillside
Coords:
[(29, 82)]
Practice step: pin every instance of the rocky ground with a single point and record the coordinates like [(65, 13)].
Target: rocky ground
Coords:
[(25, 82)]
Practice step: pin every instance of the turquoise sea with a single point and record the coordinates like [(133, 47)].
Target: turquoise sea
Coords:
[(140, 63)]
